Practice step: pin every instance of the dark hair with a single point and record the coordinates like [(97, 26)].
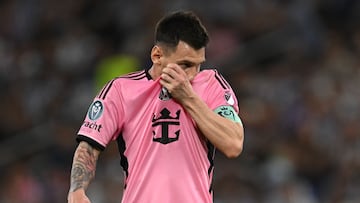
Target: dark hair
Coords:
[(181, 26)]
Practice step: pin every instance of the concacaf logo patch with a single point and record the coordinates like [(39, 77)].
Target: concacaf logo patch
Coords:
[(95, 111)]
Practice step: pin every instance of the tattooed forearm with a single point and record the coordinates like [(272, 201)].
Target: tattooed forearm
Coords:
[(84, 166)]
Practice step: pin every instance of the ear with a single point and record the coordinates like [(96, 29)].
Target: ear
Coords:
[(156, 54)]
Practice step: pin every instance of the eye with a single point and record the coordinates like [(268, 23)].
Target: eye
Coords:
[(186, 65)]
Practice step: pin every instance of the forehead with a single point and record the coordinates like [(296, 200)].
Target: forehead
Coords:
[(185, 52)]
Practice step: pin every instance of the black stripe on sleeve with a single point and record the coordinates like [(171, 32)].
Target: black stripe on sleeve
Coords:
[(221, 80), (107, 89), (139, 78), (90, 141), (135, 76), (104, 88)]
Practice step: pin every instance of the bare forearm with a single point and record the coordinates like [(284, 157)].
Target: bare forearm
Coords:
[(84, 166), (223, 133)]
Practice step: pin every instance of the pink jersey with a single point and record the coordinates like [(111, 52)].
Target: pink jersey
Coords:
[(165, 157)]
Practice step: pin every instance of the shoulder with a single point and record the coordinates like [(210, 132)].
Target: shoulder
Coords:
[(130, 77), (213, 76), (118, 84), (137, 75)]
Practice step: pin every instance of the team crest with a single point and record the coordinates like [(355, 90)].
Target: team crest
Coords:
[(229, 98), (164, 94), (95, 111)]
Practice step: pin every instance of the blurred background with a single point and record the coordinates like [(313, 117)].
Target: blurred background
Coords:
[(294, 65)]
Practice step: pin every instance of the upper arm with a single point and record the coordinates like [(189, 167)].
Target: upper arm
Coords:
[(228, 112), (220, 96), (104, 118)]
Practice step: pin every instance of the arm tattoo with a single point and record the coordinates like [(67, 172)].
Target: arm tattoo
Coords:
[(84, 166)]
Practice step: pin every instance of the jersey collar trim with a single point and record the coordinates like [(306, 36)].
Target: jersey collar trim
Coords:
[(148, 76)]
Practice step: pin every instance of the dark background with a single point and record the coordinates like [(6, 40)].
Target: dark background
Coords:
[(294, 65)]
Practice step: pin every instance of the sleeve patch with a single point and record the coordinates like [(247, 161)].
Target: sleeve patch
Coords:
[(229, 98), (95, 111), (228, 112)]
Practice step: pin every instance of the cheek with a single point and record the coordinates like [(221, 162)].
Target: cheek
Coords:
[(191, 72), (165, 62)]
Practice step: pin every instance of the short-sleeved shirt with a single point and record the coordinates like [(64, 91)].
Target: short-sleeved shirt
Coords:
[(165, 157)]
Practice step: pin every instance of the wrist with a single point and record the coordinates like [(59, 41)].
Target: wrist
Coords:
[(190, 102), (78, 191)]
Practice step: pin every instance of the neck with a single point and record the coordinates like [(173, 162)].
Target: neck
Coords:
[(154, 73)]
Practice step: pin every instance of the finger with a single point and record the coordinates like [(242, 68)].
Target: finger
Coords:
[(166, 84), (177, 69), (166, 77), (170, 72), (176, 72)]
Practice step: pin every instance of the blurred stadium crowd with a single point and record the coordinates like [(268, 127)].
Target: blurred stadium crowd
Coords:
[(294, 64)]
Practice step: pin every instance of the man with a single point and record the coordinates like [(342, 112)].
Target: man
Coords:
[(167, 121)]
